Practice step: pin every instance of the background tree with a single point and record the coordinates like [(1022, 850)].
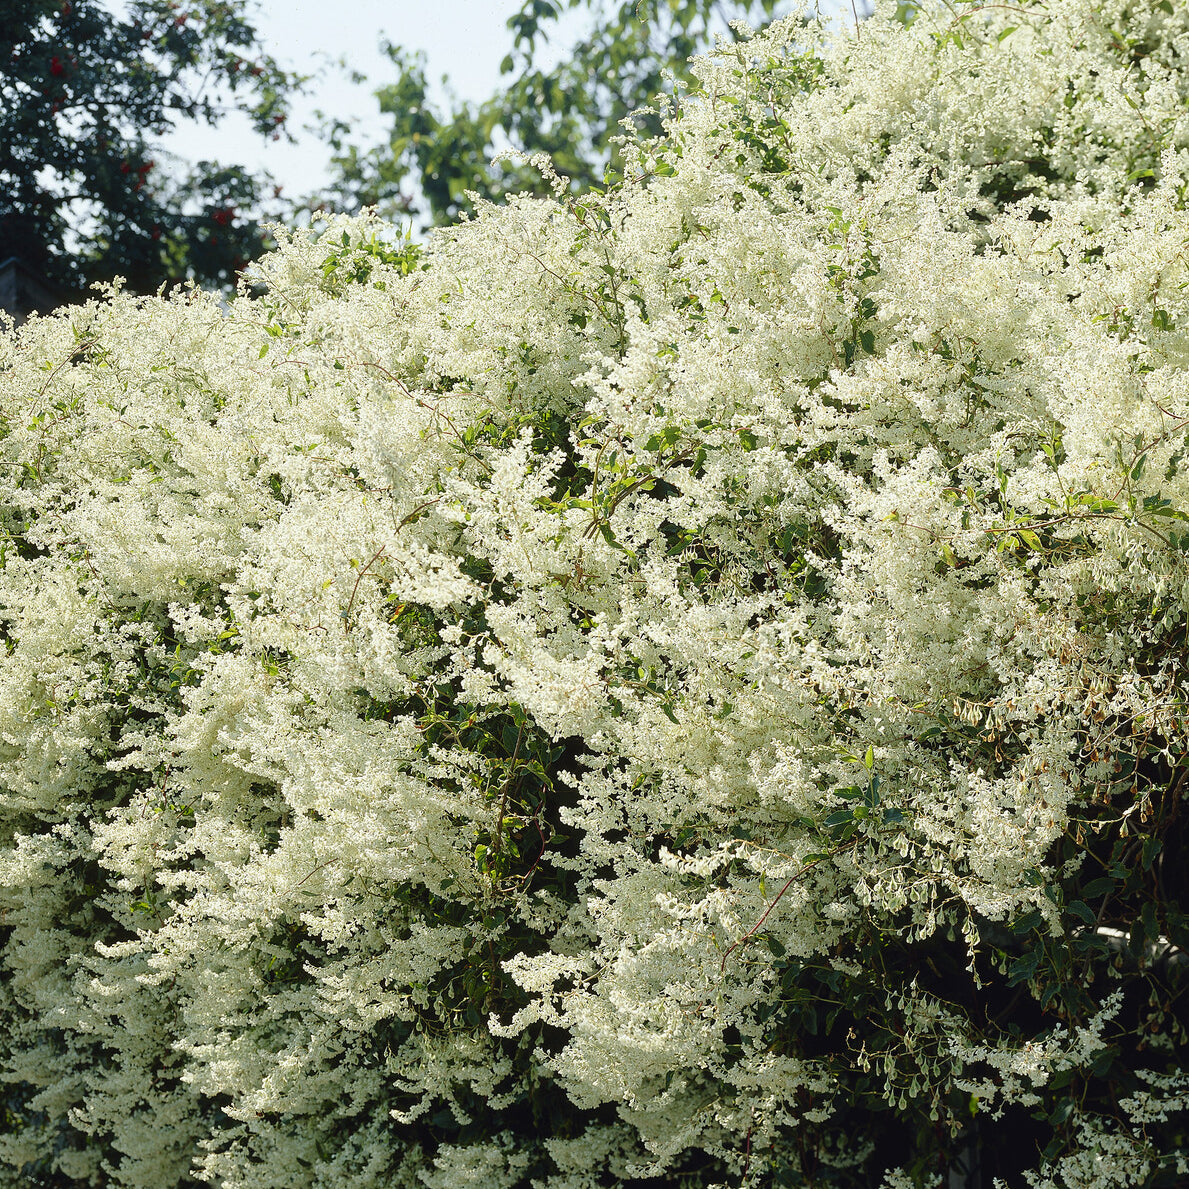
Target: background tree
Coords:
[(84, 96), (570, 111)]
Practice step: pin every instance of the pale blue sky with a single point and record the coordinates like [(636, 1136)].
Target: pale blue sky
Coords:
[(465, 39)]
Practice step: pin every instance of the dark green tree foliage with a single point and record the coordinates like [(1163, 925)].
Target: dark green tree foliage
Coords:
[(85, 94), (570, 111)]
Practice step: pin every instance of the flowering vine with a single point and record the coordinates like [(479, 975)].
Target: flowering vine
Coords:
[(685, 683)]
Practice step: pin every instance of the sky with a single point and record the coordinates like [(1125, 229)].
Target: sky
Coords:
[(466, 39)]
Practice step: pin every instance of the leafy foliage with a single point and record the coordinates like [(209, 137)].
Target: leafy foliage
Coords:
[(571, 111), (84, 94)]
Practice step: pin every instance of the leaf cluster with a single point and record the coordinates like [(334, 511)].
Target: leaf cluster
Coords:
[(85, 95)]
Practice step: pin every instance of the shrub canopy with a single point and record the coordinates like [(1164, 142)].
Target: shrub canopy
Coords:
[(686, 683)]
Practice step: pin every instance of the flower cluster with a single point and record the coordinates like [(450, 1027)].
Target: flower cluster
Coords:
[(682, 683)]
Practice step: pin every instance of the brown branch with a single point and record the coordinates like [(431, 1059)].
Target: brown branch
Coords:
[(355, 589), (788, 884)]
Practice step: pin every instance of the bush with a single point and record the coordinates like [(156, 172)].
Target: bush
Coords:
[(686, 683)]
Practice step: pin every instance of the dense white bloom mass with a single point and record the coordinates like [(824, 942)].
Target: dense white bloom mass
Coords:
[(681, 683)]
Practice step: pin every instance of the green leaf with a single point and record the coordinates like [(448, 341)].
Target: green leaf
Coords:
[(1150, 921), (1151, 849), (1022, 969), (1026, 923), (608, 536), (1104, 1060), (1062, 1112)]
